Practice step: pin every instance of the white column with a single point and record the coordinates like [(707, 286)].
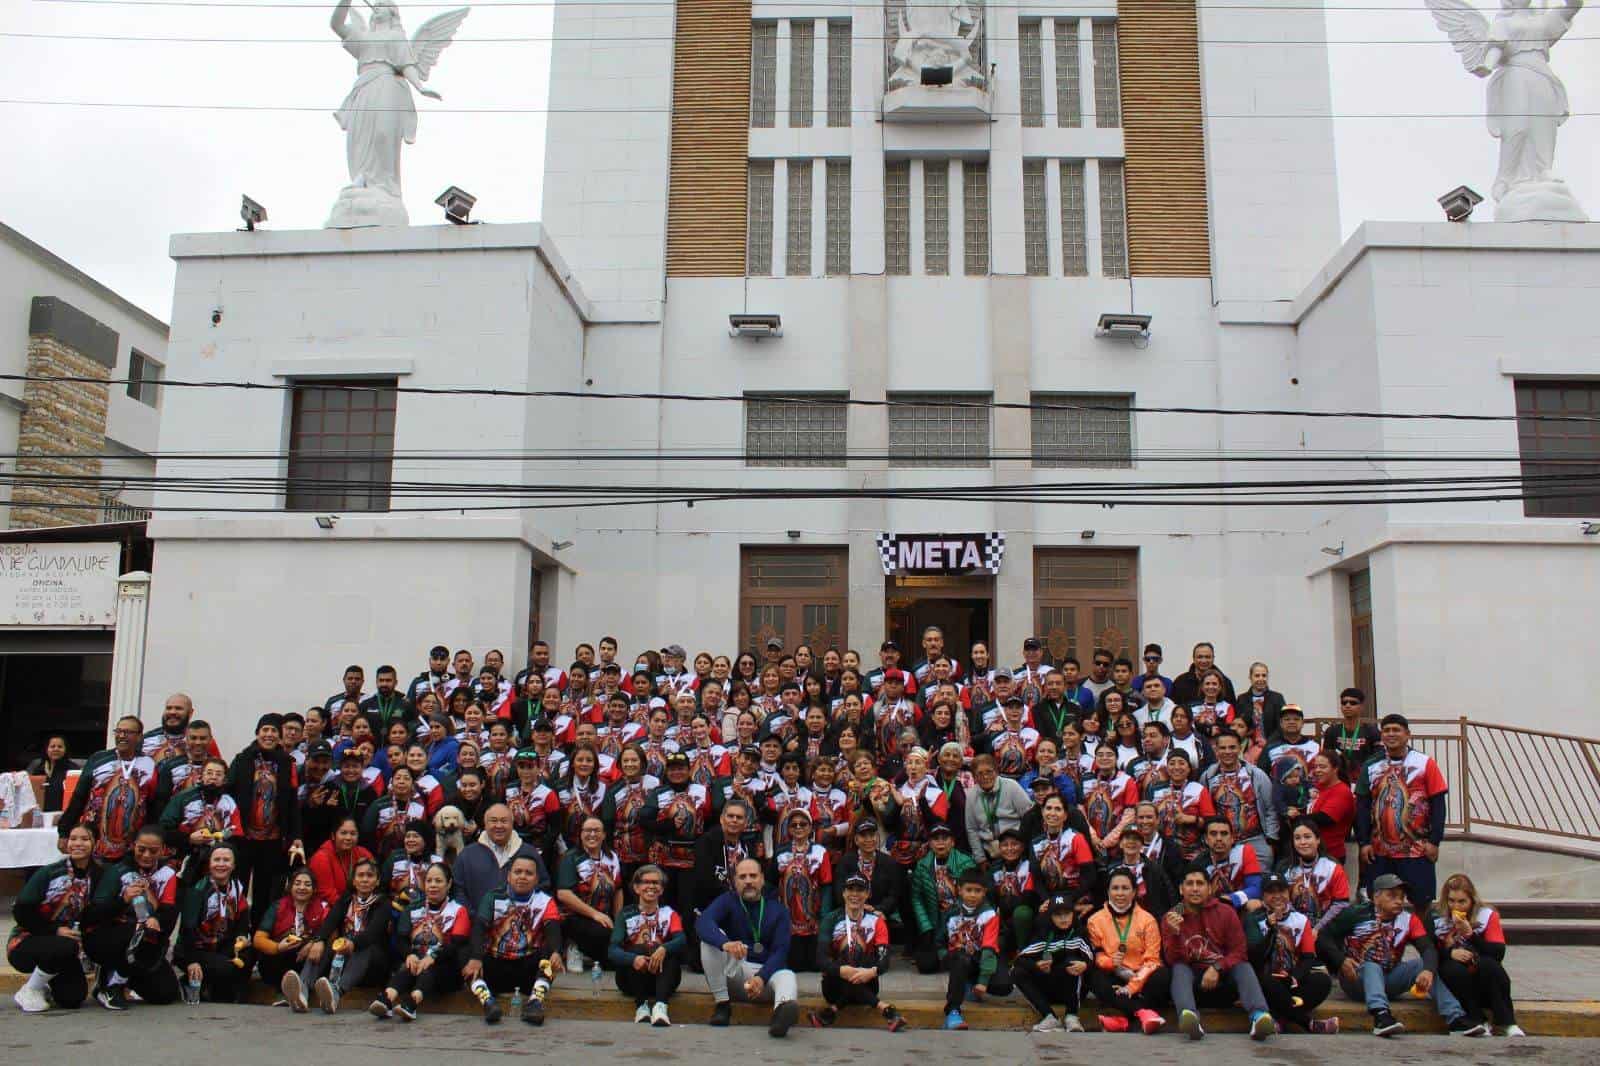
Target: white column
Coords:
[(918, 236), (1091, 215), (780, 217), (1047, 69), (819, 74), (1052, 214), (781, 119), (127, 653), (957, 217), (1085, 70), (819, 214)]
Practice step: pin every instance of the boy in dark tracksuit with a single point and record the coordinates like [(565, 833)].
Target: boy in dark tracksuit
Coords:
[(1053, 961)]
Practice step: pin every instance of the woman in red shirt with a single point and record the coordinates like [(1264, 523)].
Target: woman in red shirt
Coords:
[(1333, 805), (336, 860)]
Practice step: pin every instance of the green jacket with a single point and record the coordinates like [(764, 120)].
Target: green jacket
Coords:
[(925, 902)]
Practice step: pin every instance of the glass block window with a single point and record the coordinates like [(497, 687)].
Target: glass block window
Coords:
[(839, 73), (1069, 97), (897, 217), (763, 74), (1107, 93), (1568, 449), (1030, 68), (802, 70), (1113, 221), (838, 220), (1085, 430), (1036, 231), (758, 241), (936, 216), (1074, 237), (794, 429), (975, 216), (341, 446), (939, 429), (798, 258)]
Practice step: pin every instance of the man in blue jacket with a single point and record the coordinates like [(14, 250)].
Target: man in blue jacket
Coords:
[(744, 947)]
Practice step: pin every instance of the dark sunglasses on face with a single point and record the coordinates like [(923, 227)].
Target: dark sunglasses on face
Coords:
[(1152, 658)]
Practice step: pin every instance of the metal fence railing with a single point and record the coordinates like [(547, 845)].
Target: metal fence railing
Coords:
[(1506, 777)]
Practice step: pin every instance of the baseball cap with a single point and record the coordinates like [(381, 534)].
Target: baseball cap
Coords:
[(1015, 701), (858, 882), (775, 642), (1002, 674), (1032, 644), (543, 725), (611, 668), (1011, 833), (677, 758), (321, 747), (675, 650), (438, 651), (940, 831), (894, 675), (350, 754), (1386, 881), (751, 750), (866, 825), (526, 753), (888, 645), (1274, 883)]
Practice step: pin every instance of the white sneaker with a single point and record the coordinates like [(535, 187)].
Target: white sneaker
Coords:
[(1048, 1024), (1514, 1030), (641, 1014), (31, 999), (294, 991), (1071, 1024), (658, 1015)]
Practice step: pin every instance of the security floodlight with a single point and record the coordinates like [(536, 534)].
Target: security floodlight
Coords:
[(1087, 534), (1337, 553), (1123, 325), (755, 327), (327, 521), (457, 204), (1459, 202), (1591, 529), (560, 545), (252, 213)]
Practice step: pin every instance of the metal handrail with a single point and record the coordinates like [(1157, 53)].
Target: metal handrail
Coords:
[(1506, 777)]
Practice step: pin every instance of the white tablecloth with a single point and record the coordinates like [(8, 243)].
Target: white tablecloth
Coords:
[(27, 847)]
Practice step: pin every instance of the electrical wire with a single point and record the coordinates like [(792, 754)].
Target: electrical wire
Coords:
[(630, 5)]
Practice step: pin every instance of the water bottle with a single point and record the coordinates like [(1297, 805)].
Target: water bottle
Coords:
[(574, 958), (191, 992), (336, 971), (595, 977), (84, 961), (516, 1001), (141, 908), (141, 914)]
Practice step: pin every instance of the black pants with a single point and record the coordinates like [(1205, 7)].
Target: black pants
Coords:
[(363, 966), (837, 992), (1044, 989), (803, 953), (261, 866), (273, 967), (592, 938), (924, 951), (58, 957), (963, 971), (679, 895), (908, 914), (440, 979), (1150, 997), (148, 974), (221, 980), (1487, 986), (506, 975), (647, 987), (1310, 986)]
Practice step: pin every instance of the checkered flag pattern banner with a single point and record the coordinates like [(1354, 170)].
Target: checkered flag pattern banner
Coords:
[(993, 551), (886, 551), (993, 547)]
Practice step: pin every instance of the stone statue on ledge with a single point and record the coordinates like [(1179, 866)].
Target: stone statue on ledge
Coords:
[(379, 114), (1527, 102), (934, 34)]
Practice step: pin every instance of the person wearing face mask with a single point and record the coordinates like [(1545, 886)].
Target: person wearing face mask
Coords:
[(283, 942), (1053, 962), (47, 941), (213, 947), (199, 817), (430, 931), (357, 929), (1283, 949), (130, 950)]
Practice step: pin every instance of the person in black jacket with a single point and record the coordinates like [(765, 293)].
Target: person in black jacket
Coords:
[(1158, 847), (854, 955), (388, 705), (883, 875), (352, 945), (1186, 686), (1052, 966), (1260, 703), (53, 766), (716, 853), (1155, 889), (132, 915), (46, 943), (262, 782)]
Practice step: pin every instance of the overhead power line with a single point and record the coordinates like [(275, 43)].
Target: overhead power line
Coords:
[(819, 401), (842, 6)]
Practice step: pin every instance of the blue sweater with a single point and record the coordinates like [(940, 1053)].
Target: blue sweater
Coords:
[(728, 918)]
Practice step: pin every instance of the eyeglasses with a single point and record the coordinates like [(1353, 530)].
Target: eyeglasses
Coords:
[(1350, 703), (1152, 658)]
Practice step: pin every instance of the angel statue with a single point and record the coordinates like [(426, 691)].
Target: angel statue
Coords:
[(938, 33), (1527, 102), (379, 114)]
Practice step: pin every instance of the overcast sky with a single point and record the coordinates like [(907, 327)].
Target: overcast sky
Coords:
[(104, 188)]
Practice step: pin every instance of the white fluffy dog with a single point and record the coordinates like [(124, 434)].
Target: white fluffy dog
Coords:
[(447, 827)]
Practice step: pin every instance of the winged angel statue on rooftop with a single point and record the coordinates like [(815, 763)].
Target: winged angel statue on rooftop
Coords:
[(1527, 102), (379, 114)]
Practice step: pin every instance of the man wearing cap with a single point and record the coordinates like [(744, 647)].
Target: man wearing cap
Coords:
[(772, 651), (986, 712), (994, 804), (261, 781), (933, 891), (893, 713), (433, 679), (1029, 677), (889, 657), (1363, 948), (883, 875), (1283, 949), (1203, 941), (676, 813), (1400, 809), (317, 778), (744, 948), (854, 952)]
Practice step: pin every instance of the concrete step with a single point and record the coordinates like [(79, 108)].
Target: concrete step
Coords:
[(1549, 908), (1560, 931)]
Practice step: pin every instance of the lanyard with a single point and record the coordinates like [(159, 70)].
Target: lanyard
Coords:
[(1058, 716), (1123, 929), (991, 806), (947, 789), (760, 919)]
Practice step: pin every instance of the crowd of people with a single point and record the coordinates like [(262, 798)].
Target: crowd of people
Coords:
[(1112, 834)]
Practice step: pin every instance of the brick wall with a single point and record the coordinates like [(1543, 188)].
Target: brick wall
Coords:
[(63, 421)]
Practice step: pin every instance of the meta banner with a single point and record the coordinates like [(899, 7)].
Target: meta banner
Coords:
[(941, 553)]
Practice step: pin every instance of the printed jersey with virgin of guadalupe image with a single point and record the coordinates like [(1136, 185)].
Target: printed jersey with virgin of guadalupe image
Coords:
[(406, 874), (889, 720), (1056, 860), (680, 818), (970, 932), (911, 840), (1228, 876), (261, 813), (754, 791), (389, 823), (863, 943), (1367, 939), (188, 812), (161, 885), (532, 810), (625, 804), (425, 928), (1108, 801), (1011, 884), (61, 895), (708, 765), (1401, 792), (781, 799), (613, 738), (1485, 923), (592, 880), (802, 880), (1293, 938), (213, 912), (1280, 753), (498, 771), (578, 801), (1013, 750), (643, 933), (515, 929), (1208, 718), (1194, 799), (1148, 773), (1234, 797), (119, 793), (1317, 886)]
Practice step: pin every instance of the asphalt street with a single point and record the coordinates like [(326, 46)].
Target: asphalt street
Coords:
[(262, 1036)]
